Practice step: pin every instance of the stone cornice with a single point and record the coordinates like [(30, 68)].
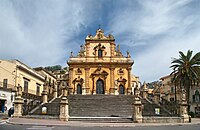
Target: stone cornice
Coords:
[(99, 40), (31, 73), (105, 65)]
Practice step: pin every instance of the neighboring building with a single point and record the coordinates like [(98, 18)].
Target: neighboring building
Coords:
[(6, 98), (13, 73), (167, 89), (168, 93), (135, 81), (49, 77), (60, 74), (62, 79), (153, 88), (195, 99), (100, 67)]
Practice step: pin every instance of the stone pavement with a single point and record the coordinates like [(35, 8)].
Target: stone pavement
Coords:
[(47, 122)]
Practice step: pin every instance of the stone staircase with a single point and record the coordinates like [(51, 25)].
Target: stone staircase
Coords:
[(53, 108), (101, 108), (100, 105), (149, 109)]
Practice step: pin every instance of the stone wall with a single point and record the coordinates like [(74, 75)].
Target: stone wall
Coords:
[(162, 120)]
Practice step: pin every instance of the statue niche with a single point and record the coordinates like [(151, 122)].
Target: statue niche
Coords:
[(120, 71), (78, 71)]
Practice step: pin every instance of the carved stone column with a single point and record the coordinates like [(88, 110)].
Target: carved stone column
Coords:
[(87, 87), (71, 86), (64, 109), (129, 89), (183, 107), (94, 86), (137, 108), (18, 107), (18, 102), (112, 82), (105, 86)]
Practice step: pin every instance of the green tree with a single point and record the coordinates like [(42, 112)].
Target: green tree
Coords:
[(186, 71)]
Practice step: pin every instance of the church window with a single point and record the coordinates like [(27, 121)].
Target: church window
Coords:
[(172, 89), (197, 96), (38, 89), (26, 86), (100, 53), (5, 83)]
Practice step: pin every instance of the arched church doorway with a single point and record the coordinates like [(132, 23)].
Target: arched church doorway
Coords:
[(100, 86), (79, 89), (121, 89)]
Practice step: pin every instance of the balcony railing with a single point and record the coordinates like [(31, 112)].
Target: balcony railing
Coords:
[(7, 86)]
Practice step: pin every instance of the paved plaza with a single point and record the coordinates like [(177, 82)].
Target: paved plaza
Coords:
[(38, 124)]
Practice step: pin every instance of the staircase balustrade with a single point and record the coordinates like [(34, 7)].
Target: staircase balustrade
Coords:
[(31, 101)]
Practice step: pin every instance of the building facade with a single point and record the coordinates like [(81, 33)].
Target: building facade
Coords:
[(6, 98), (100, 67), (168, 89), (168, 92), (14, 73), (49, 78)]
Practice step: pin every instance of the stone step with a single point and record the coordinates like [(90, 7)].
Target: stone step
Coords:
[(149, 109), (41, 117), (100, 105), (102, 119), (53, 108)]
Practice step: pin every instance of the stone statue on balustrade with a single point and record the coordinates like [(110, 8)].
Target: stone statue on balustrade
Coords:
[(45, 86), (137, 91), (183, 95), (128, 54), (19, 91)]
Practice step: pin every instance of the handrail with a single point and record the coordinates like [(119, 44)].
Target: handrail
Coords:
[(33, 102), (171, 106)]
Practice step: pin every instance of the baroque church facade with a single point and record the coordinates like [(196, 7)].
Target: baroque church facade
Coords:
[(100, 68)]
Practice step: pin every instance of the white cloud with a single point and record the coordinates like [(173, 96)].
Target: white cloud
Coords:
[(41, 32), (160, 29)]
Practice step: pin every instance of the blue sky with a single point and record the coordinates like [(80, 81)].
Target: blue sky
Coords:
[(42, 33)]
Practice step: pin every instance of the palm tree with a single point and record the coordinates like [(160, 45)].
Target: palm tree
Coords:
[(186, 71)]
